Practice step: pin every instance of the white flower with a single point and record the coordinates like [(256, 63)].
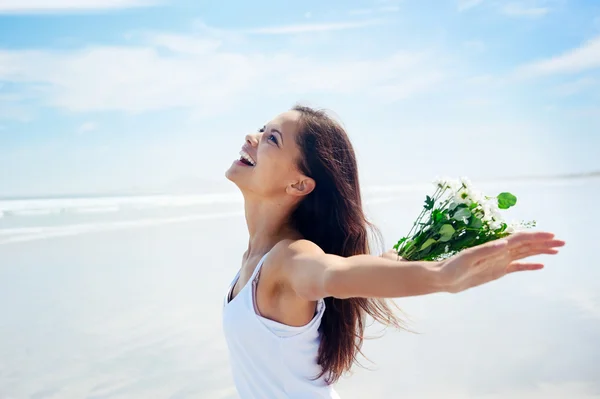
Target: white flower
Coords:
[(462, 197), (491, 210), (495, 225), (467, 196), (479, 212), (514, 227), (466, 182), (441, 182), (447, 183), (476, 196)]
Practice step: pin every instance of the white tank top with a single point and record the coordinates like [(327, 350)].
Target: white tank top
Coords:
[(270, 360)]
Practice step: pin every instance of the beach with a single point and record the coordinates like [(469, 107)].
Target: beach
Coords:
[(122, 298)]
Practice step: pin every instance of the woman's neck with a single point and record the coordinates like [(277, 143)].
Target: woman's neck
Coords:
[(268, 223)]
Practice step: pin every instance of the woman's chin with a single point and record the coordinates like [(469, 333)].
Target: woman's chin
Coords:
[(233, 174)]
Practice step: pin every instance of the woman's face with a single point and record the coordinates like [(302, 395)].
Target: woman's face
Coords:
[(268, 163)]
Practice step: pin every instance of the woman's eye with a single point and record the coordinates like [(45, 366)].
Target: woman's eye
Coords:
[(261, 130), (272, 138)]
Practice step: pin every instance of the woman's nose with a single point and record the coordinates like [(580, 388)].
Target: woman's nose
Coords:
[(253, 139)]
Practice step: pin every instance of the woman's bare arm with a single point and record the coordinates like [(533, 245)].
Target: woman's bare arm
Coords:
[(312, 274)]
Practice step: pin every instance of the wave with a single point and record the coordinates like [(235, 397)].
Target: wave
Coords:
[(373, 195), (115, 204), (23, 234), (53, 206)]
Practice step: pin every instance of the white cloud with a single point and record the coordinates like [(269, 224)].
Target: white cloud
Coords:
[(389, 9), (14, 112), (476, 45), (585, 57), (361, 11), (410, 87), (183, 44), (305, 28), (574, 87), (87, 127), (369, 11), (40, 6), (521, 10), (198, 74), (464, 5), (481, 79)]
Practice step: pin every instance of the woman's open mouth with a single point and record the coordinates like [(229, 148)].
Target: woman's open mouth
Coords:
[(246, 159)]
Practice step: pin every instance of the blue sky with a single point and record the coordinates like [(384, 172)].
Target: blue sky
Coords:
[(110, 95)]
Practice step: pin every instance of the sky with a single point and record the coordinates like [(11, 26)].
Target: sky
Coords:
[(101, 96)]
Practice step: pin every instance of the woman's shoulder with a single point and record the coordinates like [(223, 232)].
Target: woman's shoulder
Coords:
[(283, 257), (290, 248)]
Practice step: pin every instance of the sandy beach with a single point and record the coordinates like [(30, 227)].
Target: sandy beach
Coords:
[(126, 304)]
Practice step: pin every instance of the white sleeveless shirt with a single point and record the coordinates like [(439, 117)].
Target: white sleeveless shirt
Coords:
[(271, 360)]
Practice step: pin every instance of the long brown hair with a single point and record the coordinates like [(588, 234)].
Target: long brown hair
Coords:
[(332, 217)]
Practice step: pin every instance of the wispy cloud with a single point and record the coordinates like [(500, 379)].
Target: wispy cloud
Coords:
[(464, 5), (183, 44), (87, 127), (369, 11), (307, 28), (419, 83), (582, 58), (575, 87), (522, 10), (44, 6), (361, 11), (202, 76), (15, 112), (475, 45), (389, 9)]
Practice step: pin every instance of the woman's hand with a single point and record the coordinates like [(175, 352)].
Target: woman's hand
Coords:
[(488, 262)]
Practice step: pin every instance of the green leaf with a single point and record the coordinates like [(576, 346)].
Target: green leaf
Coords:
[(462, 213), (400, 242), (429, 202), (506, 200), (438, 215), (475, 223), (446, 232), (427, 243)]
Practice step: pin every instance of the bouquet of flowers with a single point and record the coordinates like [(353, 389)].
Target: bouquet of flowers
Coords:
[(454, 218)]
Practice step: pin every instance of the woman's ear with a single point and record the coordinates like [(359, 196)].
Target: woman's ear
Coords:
[(302, 187)]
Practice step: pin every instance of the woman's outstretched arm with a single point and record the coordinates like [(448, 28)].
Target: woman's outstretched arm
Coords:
[(312, 274)]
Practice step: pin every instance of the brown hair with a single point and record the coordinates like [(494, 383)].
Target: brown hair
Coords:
[(332, 217)]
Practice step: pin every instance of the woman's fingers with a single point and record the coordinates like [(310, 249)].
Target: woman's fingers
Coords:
[(526, 249), (523, 266), (528, 236)]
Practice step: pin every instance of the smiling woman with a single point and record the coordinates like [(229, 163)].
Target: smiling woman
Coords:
[(294, 315)]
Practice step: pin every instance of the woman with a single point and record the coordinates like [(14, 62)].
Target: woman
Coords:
[(294, 314)]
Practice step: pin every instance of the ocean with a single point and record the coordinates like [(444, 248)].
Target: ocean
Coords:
[(121, 297)]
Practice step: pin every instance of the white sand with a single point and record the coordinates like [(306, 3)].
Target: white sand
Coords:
[(134, 312)]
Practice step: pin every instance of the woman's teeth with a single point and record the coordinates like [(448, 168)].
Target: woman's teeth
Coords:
[(244, 156)]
